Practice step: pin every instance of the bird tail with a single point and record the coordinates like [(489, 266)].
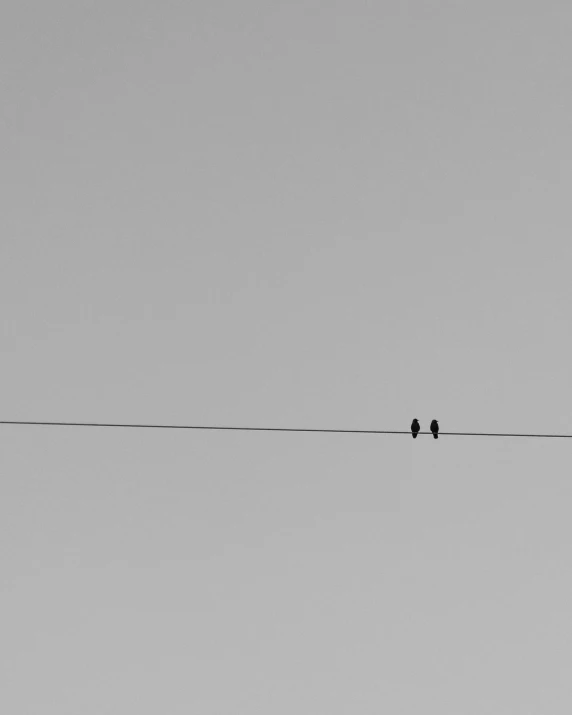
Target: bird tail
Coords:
[(414, 435), (435, 435)]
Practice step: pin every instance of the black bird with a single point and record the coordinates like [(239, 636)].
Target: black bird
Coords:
[(415, 428), (435, 429)]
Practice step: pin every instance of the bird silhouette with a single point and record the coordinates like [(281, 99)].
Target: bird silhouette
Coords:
[(435, 429), (415, 427)]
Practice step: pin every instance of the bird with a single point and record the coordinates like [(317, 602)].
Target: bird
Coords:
[(435, 429), (415, 427)]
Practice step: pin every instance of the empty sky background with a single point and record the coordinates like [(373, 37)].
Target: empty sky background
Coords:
[(303, 214)]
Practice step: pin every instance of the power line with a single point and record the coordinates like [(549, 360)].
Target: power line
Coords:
[(275, 429)]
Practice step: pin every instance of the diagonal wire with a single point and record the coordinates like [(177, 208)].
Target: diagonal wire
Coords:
[(275, 429)]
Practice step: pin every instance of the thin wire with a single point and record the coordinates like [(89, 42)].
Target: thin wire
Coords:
[(278, 429)]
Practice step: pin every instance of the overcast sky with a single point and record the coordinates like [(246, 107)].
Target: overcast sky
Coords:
[(299, 214)]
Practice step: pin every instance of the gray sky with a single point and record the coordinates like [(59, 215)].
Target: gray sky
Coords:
[(337, 215)]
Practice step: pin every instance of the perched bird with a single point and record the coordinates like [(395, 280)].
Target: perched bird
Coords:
[(415, 427), (435, 429)]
